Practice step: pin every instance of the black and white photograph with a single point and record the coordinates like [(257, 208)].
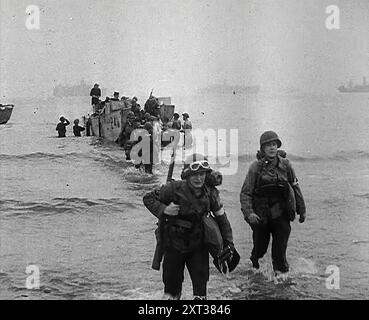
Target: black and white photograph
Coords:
[(157, 150)]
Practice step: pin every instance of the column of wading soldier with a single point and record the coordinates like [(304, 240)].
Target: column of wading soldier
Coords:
[(270, 197), (137, 118)]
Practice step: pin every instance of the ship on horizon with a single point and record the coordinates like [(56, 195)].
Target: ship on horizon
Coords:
[(80, 90), (364, 87)]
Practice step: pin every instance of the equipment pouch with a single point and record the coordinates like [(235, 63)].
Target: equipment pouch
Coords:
[(212, 236)]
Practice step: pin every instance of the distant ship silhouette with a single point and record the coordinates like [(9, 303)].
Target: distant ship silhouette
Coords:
[(80, 90), (355, 88)]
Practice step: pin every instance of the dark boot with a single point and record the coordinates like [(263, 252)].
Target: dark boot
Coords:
[(168, 296), (255, 263), (148, 168)]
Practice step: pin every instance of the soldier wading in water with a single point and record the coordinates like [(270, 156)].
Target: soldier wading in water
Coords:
[(182, 205), (270, 198)]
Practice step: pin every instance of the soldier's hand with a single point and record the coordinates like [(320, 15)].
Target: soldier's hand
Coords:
[(172, 210), (302, 217), (253, 218)]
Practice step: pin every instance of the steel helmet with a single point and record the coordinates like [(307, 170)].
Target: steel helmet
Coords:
[(148, 127), (130, 114), (269, 136), (195, 163)]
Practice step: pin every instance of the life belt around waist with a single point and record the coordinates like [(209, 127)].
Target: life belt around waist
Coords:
[(185, 224), (273, 190), (273, 198)]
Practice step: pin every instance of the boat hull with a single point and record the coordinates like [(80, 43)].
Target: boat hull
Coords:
[(109, 123), (5, 113)]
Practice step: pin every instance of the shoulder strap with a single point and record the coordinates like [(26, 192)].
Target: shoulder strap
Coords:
[(258, 175), (289, 172)]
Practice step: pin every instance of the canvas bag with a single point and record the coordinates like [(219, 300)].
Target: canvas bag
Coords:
[(212, 236)]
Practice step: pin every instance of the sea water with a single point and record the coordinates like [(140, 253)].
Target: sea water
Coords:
[(73, 206)]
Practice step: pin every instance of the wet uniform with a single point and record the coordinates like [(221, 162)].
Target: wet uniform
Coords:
[(183, 234), (124, 137), (61, 128), (187, 127), (147, 157), (152, 106), (176, 124), (77, 130), (265, 192)]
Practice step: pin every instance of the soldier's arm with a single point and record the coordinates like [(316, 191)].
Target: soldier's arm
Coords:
[(156, 201), (217, 208), (300, 202), (247, 191)]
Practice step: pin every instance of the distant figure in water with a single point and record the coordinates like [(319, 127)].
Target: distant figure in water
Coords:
[(77, 129), (61, 127)]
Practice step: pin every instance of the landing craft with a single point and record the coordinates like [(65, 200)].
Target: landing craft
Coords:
[(5, 112), (109, 122)]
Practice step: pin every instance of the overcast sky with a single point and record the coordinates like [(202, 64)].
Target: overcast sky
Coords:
[(179, 46)]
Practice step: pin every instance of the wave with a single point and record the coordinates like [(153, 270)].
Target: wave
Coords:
[(55, 206), (337, 156), (41, 156), (117, 160), (116, 157)]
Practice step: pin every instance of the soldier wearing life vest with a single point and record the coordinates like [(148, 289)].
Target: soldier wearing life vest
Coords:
[(181, 205), (270, 198), (148, 151), (125, 135), (186, 129)]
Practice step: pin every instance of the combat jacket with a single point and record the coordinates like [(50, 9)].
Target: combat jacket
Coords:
[(184, 232), (125, 135), (282, 197)]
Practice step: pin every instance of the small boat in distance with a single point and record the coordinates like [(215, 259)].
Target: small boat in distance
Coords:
[(355, 88), (5, 112)]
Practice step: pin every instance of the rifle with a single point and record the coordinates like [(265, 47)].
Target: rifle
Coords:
[(159, 249)]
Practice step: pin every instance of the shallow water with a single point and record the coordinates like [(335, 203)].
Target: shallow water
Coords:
[(74, 207)]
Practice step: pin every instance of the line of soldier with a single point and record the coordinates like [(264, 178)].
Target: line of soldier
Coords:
[(151, 124), (148, 118), (151, 111)]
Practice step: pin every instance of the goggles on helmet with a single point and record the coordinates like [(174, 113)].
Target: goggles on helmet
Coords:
[(194, 166)]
